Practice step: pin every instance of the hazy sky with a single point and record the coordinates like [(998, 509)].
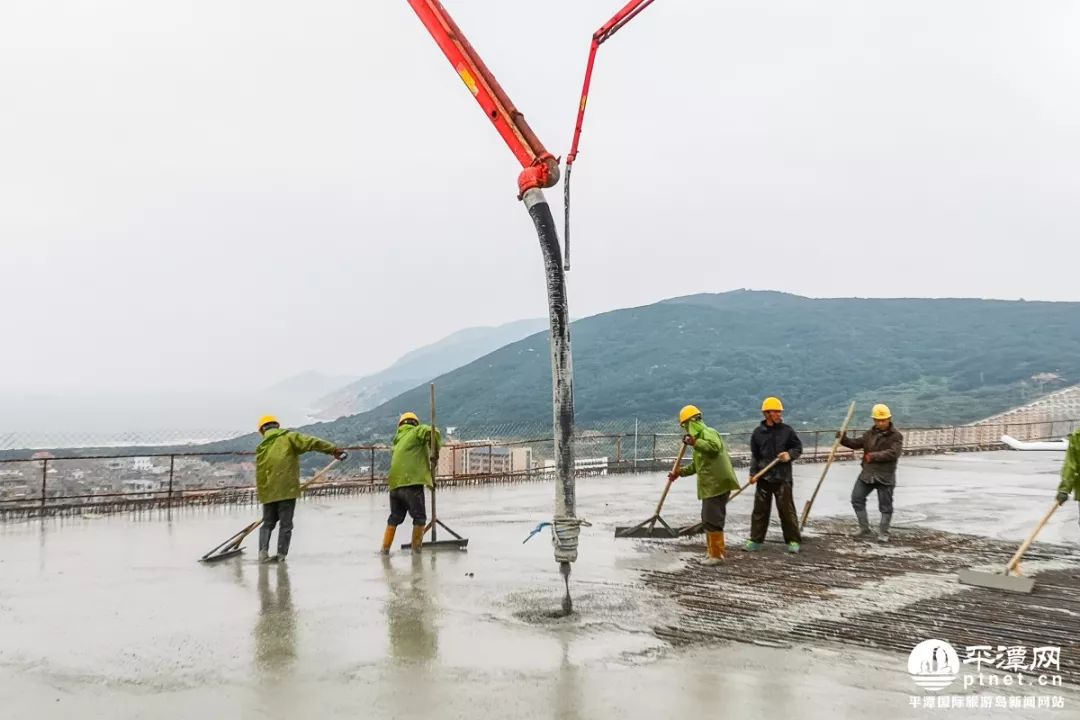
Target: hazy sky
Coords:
[(217, 194)]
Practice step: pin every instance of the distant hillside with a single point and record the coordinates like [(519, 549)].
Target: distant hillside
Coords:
[(933, 361), (421, 365), (301, 390)]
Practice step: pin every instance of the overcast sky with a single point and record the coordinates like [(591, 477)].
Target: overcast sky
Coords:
[(217, 194)]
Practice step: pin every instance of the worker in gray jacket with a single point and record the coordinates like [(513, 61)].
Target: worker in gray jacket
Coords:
[(882, 446)]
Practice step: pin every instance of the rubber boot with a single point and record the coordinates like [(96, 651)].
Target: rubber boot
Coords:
[(883, 531), (388, 538), (417, 538), (716, 549), (264, 543), (284, 539), (865, 533)]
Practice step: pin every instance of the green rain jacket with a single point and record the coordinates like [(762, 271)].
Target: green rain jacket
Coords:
[(712, 465), (277, 463), (1070, 471), (410, 463)]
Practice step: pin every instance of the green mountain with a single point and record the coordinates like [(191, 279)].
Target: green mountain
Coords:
[(932, 361)]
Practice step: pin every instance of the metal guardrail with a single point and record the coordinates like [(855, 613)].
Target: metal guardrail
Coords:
[(188, 479)]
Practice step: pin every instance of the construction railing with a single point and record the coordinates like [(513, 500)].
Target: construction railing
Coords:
[(55, 482)]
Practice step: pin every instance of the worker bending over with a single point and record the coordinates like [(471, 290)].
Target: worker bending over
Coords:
[(277, 480), (715, 479), (772, 440), (410, 471), (882, 446)]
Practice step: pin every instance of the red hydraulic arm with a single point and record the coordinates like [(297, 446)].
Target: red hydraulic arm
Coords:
[(612, 26), (539, 168)]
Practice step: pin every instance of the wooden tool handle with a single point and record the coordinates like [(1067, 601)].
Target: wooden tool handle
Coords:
[(1011, 567), (754, 479), (247, 531), (433, 446), (761, 473), (319, 475), (667, 487), (828, 464), (433, 461)]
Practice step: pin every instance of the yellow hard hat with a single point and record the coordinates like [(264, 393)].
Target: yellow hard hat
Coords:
[(408, 416), (266, 420), (881, 412), (772, 403), (687, 413)]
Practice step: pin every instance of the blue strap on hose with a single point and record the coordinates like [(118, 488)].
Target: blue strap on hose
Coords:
[(536, 530)]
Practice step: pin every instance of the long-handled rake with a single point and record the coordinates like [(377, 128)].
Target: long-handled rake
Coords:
[(459, 542), (231, 547)]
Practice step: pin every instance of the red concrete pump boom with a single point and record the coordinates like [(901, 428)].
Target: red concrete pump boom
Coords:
[(539, 168), (612, 26)]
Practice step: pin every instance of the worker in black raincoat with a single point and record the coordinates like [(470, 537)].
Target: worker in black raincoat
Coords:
[(772, 440)]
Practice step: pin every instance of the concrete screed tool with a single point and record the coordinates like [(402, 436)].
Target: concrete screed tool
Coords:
[(1004, 581), (231, 547), (640, 530), (696, 528), (458, 543)]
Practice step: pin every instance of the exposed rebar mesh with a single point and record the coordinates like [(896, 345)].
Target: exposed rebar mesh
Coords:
[(887, 597)]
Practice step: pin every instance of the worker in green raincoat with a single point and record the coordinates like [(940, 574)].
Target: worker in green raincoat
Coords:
[(1070, 471), (410, 472), (277, 479), (715, 479)]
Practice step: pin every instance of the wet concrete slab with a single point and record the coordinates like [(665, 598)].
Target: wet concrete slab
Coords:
[(113, 616)]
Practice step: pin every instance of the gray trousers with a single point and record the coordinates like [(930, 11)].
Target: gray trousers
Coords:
[(282, 511), (714, 512), (862, 490)]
